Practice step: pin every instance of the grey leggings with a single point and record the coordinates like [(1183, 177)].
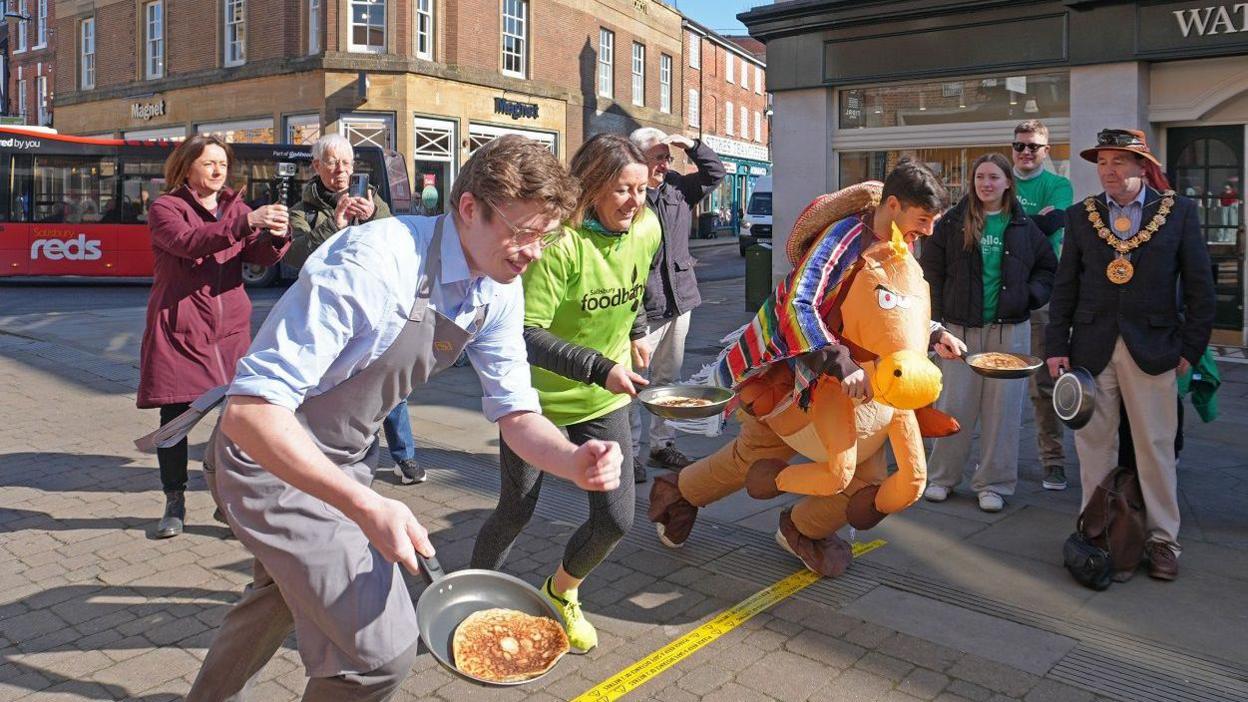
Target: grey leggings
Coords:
[(610, 513)]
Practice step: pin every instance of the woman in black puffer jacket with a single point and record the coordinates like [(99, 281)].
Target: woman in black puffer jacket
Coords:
[(988, 266)]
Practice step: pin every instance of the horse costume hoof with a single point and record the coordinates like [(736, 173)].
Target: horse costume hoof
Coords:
[(829, 557), (861, 512), (760, 479), (672, 514)]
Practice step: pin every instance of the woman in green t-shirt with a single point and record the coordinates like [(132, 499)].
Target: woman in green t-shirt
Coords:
[(583, 309), (988, 266)]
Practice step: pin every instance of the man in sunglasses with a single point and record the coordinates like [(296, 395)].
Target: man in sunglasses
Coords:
[(672, 286), (1133, 303), (377, 310), (1045, 196)]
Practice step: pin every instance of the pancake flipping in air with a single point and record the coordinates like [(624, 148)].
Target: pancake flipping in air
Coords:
[(503, 645)]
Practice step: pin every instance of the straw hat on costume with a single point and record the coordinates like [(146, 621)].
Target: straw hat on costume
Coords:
[(826, 210)]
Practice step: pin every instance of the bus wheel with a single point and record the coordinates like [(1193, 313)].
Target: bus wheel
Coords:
[(257, 276)]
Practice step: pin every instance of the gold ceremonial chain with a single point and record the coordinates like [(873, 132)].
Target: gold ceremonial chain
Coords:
[(1120, 270)]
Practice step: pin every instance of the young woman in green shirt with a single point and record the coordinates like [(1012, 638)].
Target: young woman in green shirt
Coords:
[(988, 266), (583, 311)]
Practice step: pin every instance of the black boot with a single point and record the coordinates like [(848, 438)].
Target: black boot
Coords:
[(175, 514)]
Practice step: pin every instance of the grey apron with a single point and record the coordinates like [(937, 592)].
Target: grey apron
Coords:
[(351, 608)]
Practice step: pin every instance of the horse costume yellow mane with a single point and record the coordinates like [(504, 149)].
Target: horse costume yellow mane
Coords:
[(880, 310)]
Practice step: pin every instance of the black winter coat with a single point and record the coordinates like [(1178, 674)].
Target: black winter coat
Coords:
[(956, 276), (672, 286)]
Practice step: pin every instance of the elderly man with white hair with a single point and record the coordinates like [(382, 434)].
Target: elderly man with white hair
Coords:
[(672, 286)]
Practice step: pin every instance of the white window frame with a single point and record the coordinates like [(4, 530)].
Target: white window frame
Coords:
[(21, 96), (639, 74), (515, 28), (728, 117), (745, 75), (293, 122), (695, 108), (23, 32), (41, 28), (665, 83), (745, 123), (42, 116), (695, 51), (170, 133), (423, 12), (234, 33), (347, 122), (314, 27), (226, 130), (86, 53), (352, 24), (758, 126), (758, 80), (729, 62), (154, 40), (481, 134), (434, 140), (606, 62)]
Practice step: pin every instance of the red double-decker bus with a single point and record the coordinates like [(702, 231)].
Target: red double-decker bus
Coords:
[(77, 206)]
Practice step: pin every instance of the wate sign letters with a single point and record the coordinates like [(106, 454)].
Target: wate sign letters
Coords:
[(78, 249)]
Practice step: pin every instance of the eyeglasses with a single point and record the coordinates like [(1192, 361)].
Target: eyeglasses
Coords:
[(1020, 147), (333, 163), (1117, 137), (528, 237), (656, 160)]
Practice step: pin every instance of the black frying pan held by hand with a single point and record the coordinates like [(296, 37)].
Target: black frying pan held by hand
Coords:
[(451, 598)]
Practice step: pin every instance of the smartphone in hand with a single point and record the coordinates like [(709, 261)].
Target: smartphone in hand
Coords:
[(359, 185)]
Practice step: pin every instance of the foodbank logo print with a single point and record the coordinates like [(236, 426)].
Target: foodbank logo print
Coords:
[(607, 298)]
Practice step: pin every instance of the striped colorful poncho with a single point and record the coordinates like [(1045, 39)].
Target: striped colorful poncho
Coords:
[(791, 321)]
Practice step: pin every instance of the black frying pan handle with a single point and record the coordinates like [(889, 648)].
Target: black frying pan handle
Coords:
[(430, 568)]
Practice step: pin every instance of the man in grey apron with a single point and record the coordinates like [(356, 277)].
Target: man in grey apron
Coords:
[(376, 311)]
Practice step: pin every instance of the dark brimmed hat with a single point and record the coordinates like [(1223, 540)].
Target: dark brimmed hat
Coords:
[(1129, 140)]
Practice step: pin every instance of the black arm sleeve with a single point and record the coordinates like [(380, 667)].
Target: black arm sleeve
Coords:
[(580, 363)]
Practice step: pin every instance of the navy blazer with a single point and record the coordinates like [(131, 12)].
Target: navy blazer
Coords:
[(1088, 313)]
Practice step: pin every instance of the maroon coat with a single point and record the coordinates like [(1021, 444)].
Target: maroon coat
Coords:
[(198, 315)]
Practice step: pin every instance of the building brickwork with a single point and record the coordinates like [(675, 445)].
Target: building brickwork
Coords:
[(32, 55)]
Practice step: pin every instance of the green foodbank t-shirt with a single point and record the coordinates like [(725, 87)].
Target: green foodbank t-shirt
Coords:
[(588, 289), (992, 248), (1047, 189)]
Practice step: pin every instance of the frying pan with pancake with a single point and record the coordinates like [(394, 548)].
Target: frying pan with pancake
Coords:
[(451, 598), (715, 399), (1030, 364)]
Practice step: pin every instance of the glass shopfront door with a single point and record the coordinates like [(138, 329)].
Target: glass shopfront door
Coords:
[(1207, 165)]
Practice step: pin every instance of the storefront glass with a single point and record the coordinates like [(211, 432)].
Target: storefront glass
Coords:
[(363, 129), (433, 161), (252, 131), (950, 164), (481, 134), (987, 99), (170, 133), (303, 129)]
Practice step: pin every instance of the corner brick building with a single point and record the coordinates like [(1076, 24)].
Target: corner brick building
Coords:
[(433, 79)]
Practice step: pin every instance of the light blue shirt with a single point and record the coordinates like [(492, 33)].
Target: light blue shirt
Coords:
[(351, 301), (1133, 211)]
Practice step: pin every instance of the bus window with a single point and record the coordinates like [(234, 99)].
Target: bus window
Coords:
[(19, 192), (73, 188), (255, 178), (142, 181)]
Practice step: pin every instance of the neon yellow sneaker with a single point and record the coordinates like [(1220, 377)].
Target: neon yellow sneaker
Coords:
[(581, 634)]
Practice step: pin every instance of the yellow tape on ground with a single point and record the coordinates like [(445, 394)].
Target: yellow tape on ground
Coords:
[(651, 666)]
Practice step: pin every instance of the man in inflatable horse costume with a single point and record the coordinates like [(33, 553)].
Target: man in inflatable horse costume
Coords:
[(834, 364)]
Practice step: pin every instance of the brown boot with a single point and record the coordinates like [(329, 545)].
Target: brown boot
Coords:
[(828, 557), (1162, 563), (672, 514), (760, 479), (861, 512)]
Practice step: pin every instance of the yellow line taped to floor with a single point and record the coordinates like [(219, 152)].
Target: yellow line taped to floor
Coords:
[(651, 666)]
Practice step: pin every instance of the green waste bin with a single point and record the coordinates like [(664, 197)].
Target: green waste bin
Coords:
[(757, 275)]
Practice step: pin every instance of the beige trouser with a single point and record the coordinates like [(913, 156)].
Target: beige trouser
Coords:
[(723, 473), (1048, 426), (1149, 400)]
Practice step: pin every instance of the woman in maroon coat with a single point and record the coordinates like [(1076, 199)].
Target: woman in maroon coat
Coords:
[(198, 315)]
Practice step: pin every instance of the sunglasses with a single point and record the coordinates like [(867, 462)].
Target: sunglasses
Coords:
[(1117, 137), (1020, 147), (526, 237)]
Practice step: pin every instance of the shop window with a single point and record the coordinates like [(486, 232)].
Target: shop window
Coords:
[(606, 63), (950, 164), (314, 27), (481, 134), (665, 83), (253, 131), (695, 108), (235, 32), (990, 99), (695, 51), (433, 162), (424, 29), (86, 58), (73, 189), (639, 74), (154, 39), (303, 129), (515, 37), (169, 133), (368, 26), (367, 130)]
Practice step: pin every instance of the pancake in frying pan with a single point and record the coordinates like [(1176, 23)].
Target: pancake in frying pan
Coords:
[(504, 645)]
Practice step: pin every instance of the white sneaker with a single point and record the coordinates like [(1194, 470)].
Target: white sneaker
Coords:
[(990, 501), (936, 493)]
